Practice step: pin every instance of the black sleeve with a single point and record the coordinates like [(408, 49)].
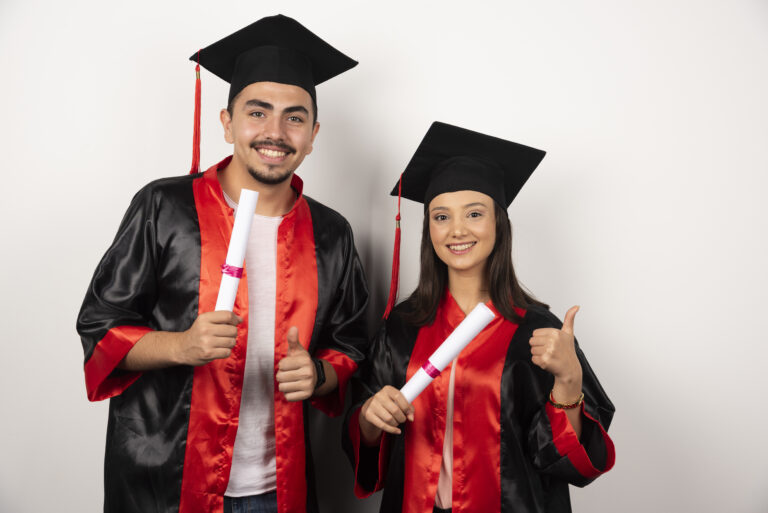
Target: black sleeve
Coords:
[(117, 306), (554, 447), (343, 340), (386, 364)]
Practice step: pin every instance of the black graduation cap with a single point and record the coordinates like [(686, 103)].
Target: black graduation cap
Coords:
[(451, 159), (273, 49)]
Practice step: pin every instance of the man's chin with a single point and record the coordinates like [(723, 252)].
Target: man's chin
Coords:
[(269, 178)]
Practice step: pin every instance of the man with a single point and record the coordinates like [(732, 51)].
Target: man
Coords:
[(206, 404)]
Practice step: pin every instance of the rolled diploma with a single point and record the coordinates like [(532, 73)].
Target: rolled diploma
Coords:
[(467, 330), (236, 251)]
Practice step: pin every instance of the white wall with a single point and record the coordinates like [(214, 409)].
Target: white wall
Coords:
[(648, 211)]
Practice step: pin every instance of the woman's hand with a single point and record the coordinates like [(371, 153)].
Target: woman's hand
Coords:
[(554, 351), (384, 412)]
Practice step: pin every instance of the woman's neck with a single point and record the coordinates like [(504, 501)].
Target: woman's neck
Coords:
[(468, 290)]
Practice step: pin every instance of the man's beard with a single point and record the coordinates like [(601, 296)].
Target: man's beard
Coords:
[(268, 178)]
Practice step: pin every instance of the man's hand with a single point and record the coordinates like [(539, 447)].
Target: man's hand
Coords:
[(211, 336), (296, 375)]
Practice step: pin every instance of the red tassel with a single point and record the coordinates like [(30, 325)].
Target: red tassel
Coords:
[(395, 256), (196, 132)]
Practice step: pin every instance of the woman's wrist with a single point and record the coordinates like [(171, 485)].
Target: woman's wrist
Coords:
[(567, 390), (370, 435)]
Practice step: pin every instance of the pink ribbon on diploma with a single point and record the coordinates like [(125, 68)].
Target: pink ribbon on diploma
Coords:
[(430, 369), (231, 270)]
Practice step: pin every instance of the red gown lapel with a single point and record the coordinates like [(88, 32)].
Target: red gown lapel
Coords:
[(296, 305)]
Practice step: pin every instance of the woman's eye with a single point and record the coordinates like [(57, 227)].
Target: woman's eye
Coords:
[(441, 217), (475, 214)]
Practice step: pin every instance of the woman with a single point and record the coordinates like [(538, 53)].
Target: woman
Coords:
[(519, 414)]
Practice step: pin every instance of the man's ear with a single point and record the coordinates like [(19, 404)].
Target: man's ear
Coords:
[(314, 134), (315, 130), (226, 122)]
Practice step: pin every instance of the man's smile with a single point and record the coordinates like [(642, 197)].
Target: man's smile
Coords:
[(272, 152)]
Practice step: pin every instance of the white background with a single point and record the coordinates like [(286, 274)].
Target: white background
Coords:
[(649, 209)]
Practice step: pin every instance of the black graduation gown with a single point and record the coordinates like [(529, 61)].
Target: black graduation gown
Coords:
[(512, 451), (171, 431)]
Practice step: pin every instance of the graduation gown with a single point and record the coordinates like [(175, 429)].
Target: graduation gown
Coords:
[(512, 451), (171, 431)]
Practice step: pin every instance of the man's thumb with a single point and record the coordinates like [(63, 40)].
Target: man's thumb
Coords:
[(293, 340)]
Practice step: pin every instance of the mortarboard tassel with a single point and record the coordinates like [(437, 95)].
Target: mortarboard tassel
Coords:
[(196, 132), (395, 256)]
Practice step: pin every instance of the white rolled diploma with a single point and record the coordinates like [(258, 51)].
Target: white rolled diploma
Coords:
[(465, 332), (236, 251)]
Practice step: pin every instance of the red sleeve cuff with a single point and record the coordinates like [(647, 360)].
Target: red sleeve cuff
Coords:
[(567, 443), (107, 354), (354, 435), (333, 403)]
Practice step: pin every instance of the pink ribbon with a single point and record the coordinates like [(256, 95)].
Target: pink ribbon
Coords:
[(235, 272), (430, 369)]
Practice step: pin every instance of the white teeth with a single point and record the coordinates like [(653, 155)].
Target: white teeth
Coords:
[(271, 153), (461, 247)]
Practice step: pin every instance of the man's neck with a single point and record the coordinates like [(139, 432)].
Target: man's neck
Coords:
[(274, 200)]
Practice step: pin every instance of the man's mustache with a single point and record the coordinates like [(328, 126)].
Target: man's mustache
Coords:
[(275, 144)]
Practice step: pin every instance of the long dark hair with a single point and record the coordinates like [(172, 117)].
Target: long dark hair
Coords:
[(505, 291)]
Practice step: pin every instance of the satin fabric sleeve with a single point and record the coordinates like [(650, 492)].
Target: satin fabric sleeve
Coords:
[(344, 336), (554, 447), (115, 312), (370, 464)]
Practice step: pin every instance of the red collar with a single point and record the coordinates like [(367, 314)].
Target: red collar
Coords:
[(211, 178)]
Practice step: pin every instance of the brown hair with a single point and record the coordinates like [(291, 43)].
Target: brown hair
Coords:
[(505, 291)]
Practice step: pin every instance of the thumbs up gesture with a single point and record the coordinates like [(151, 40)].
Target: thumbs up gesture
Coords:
[(554, 351), (296, 375)]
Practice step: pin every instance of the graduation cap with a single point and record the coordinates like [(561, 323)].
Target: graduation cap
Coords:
[(272, 49), (451, 159)]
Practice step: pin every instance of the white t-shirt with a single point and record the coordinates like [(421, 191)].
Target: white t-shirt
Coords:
[(253, 459)]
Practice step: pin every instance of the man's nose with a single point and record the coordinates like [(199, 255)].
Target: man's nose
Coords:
[(273, 128)]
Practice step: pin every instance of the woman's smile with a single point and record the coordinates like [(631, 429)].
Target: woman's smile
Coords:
[(461, 248)]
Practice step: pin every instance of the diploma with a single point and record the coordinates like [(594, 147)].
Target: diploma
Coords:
[(467, 330), (232, 269)]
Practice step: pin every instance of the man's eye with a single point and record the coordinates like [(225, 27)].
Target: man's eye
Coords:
[(295, 119), (257, 114)]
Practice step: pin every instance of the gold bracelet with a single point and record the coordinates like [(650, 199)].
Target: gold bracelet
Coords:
[(565, 406)]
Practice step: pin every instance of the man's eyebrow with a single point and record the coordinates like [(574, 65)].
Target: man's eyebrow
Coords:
[(297, 108), (254, 102), (259, 103)]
